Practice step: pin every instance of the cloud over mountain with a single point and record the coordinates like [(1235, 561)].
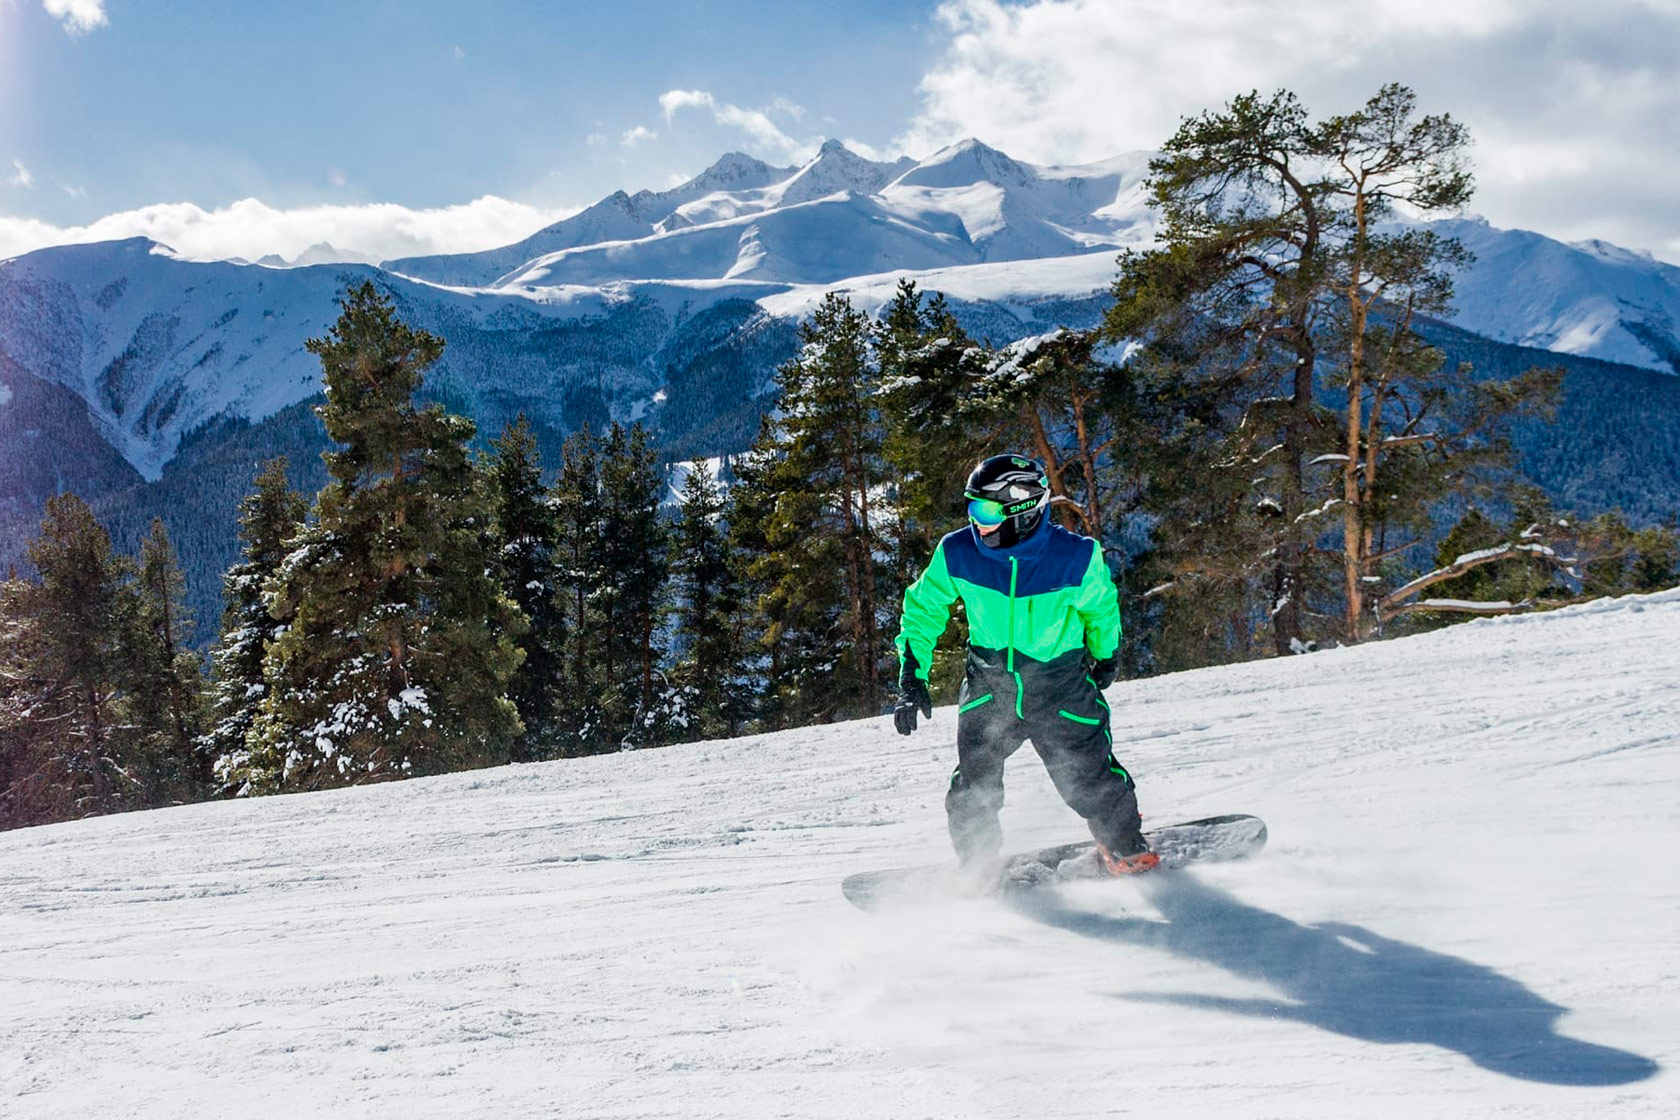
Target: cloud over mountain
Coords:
[(252, 229), (1574, 108)]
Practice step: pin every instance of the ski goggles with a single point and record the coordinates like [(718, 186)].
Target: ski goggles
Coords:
[(985, 511)]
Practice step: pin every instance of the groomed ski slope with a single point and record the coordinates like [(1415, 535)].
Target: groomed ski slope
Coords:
[(1470, 908)]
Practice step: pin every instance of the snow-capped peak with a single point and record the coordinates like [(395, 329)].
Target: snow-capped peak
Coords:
[(732, 172), (966, 163), (834, 168)]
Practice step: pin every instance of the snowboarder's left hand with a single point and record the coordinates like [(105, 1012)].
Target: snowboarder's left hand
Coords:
[(1105, 671)]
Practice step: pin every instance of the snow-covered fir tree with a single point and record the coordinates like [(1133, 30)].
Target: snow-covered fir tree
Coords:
[(268, 518)]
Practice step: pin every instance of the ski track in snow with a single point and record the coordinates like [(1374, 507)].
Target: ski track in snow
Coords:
[(1470, 907)]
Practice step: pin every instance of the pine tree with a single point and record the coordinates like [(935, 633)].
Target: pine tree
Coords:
[(166, 681), (1277, 313), (938, 425), (69, 744), (579, 574), (823, 591), (399, 643), (710, 675), (632, 596), (749, 510), (525, 530), (934, 434), (268, 519)]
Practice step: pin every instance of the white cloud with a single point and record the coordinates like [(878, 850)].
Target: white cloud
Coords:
[(787, 107), (78, 16), (869, 151), (21, 176), (253, 229), (637, 135), (1574, 107), (459, 54), (75, 192), (672, 100), (595, 139), (756, 123)]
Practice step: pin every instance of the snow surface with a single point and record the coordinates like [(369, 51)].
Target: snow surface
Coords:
[(1469, 907)]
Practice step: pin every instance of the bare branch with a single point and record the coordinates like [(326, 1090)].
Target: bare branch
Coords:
[(1390, 605)]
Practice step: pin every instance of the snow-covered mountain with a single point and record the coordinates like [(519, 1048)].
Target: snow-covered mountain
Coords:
[(153, 384), (1468, 909), (159, 346), (1591, 298), (838, 216)]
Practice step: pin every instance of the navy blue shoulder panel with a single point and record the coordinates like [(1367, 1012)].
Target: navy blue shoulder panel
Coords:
[(965, 561), (1059, 559), (1063, 563)]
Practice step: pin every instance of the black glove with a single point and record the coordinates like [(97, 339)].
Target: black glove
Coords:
[(912, 696), (1103, 672)]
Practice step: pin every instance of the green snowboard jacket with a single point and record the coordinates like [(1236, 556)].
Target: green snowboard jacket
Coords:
[(1028, 605)]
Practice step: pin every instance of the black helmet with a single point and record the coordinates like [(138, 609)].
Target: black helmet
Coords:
[(1010, 492)]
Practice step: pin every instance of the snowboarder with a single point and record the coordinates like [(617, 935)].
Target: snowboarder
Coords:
[(1043, 642)]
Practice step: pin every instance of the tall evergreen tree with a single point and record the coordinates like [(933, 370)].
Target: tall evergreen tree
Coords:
[(938, 425), (166, 679), (750, 509), (65, 726), (632, 598), (579, 574), (525, 538), (710, 675), (399, 643), (268, 519), (823, 591), (1278, 312)]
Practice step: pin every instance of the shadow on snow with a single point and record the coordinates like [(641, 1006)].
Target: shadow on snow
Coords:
[(1346, 979)]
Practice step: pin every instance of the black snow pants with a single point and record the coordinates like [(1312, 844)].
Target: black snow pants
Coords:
[(1056, 705)]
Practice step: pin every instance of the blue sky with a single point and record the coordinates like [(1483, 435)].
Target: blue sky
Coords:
[(424, 103), (236, 128)]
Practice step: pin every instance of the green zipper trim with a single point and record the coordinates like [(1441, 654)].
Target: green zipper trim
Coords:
[(1014, 570), (1098, 697), (1079, 719), (974, 703)]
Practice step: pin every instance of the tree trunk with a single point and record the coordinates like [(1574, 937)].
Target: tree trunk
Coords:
[(1092, 510), (1288, 581), (96, 749), (1354, 495)]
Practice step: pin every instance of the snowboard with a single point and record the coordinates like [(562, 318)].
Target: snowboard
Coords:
[(1210, 840)]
